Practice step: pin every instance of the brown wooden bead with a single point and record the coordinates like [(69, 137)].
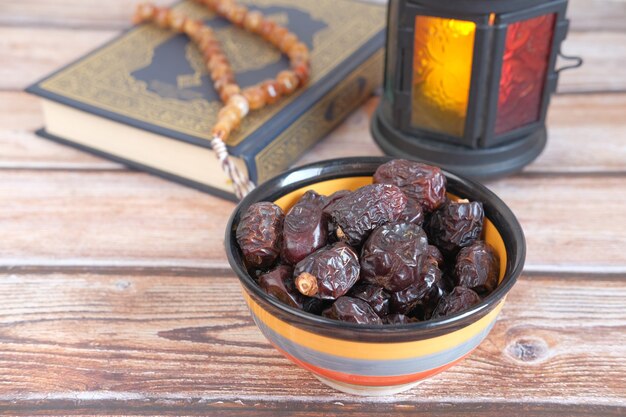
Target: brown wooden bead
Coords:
[(222, 129), (177, 21), (298, 51), (240, 103), (230, 115), (237, 14), (287, 42), (271, 90), (210, 49), (253, 21), (303, 72), (223, 81), (220, 70), (256, 97), (266, 28), (287, 82), (162, 18), (144, 13), (228, 91), (277, 35), (216, 60), (192, 28)]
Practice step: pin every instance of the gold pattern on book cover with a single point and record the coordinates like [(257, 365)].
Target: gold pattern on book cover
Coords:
[(103, 79), (321, 118)]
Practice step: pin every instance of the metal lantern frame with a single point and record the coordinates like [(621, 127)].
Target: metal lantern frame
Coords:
[(479, 152)]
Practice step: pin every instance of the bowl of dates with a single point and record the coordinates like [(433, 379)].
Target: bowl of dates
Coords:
[(374, 273)]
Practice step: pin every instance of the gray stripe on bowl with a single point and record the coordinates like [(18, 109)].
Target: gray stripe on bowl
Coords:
[(372, 367)]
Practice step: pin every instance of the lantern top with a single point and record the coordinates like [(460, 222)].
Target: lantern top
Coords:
[(481, 7)]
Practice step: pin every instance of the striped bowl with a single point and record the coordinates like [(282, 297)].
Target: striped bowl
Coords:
[(374, 359)]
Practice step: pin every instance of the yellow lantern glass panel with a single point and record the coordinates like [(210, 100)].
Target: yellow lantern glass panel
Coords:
[(442, 70)]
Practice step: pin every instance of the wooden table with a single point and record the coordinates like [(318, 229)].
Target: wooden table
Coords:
[(116, 297)]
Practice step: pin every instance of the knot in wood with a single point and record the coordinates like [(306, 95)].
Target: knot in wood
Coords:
[(528, 350)]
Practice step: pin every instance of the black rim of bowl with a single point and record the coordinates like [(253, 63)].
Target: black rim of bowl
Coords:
[(495, 209)]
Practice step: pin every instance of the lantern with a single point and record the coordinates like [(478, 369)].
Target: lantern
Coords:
[(467, 82)]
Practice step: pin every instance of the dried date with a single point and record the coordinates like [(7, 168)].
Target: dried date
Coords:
[(399, 319), (423, 183), (279, 283), (305, 228), (392, 256), (358, 213), (259, 234), (352, 310), (412, 213), (458, 300), (456, 225), (328, 273), (422, 296), (373, 295), (477, 267)]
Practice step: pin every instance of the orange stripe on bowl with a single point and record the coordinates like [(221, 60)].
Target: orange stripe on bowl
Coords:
[(372, 351)]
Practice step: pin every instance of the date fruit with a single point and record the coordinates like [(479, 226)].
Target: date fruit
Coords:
[(279, 283), (305, 228), (328, 273), (353, 310), (456, 225), (458, 300), (423, 183), (399, 319), (366, 208), (422, 296), (412, 213), (373, 295), (259, 234), (477, 267), (392, 256)]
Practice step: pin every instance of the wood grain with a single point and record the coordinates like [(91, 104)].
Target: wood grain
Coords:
[(128, 218), (585, 15), (587, 134), (186, 343), (29, 54)]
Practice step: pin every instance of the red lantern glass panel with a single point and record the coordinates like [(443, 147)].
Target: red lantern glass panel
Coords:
[(524, 69)]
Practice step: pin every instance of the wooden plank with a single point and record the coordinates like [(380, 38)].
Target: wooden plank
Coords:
[(29, 54), (184, 343), (133, 219), (585, 15), (587, 134)]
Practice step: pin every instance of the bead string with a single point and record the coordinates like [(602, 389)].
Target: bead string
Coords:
[(237, 102)]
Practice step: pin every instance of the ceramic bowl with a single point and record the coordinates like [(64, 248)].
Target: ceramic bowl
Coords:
[(375, 359)]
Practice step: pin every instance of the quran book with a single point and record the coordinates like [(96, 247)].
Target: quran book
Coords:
[(146, 100)]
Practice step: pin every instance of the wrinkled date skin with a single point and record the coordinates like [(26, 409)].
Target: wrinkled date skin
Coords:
[(423, 294), (279, 283), (399, 319), (328, 273), (423, 183), (456, 225), (458, 300), (412, 213), (305, 228), (477, 267), (373, 295), (353, 310), (259, 234), (361, 211), (392, 256)]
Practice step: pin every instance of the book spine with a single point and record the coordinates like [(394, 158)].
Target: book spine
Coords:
[(320, 119)]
